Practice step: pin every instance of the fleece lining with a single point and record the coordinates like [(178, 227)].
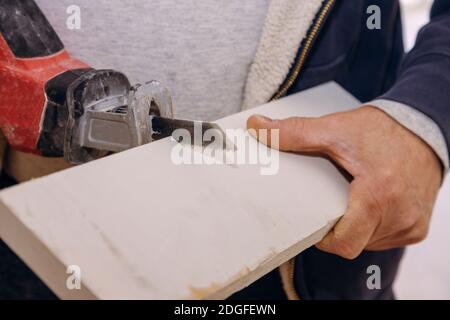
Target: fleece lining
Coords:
[(286, 25)]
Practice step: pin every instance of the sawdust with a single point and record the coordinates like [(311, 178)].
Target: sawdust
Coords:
[(203, 293), (211, 291)]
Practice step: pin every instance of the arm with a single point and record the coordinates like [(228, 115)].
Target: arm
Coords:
[(390, 155), (420, 99)]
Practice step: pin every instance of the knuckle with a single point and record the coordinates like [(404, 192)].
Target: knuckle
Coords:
[(277, 124), (349, 254), (346, 249), (300, 127), (297, 125), (290, 130), (334, 142), (419, 234), (410, 219)]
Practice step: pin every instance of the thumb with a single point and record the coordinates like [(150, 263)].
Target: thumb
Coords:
[(295, 134)]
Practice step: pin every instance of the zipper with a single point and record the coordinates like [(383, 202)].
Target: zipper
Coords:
[(287, 270), (311, 37)]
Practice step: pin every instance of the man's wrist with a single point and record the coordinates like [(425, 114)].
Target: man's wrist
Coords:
[(418, 123)]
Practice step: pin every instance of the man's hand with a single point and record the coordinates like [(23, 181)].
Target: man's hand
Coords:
[(396, 176)]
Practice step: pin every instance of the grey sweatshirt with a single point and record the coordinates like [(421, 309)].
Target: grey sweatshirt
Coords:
[(200, 49)]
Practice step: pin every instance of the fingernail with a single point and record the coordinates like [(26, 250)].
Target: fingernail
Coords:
[(253, 133)]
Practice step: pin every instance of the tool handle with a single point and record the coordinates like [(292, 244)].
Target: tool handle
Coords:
[(31, 56)]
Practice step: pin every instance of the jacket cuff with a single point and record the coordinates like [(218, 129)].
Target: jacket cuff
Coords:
[(417, 122)]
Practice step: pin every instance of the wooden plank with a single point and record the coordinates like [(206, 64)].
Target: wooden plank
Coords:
[(139, 226)]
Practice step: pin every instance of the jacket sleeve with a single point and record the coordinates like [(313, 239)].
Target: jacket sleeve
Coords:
[(424, 81)]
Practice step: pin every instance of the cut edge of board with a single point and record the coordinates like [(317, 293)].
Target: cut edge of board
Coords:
[(22, 241)]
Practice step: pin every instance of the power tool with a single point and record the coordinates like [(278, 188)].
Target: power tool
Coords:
[(54, 105)]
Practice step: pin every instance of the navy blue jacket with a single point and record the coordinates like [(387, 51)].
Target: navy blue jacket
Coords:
[(370, 64)]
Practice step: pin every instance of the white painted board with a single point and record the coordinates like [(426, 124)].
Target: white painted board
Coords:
[(141, 227)]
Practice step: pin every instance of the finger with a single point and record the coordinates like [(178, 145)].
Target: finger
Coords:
[(354, 230), (417, 233), (392, 240), (396, 241), (294, 134), (388, 243), (311, 135)]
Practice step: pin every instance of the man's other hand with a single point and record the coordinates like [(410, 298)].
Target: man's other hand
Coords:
[(396, 176)]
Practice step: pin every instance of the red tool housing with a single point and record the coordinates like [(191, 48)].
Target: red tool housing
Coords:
[(35, 71)]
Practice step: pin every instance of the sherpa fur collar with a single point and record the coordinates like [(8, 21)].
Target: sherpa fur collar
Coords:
[(286, 25)]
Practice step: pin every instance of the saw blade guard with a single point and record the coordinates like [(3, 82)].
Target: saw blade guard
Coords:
[(107, 115)]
